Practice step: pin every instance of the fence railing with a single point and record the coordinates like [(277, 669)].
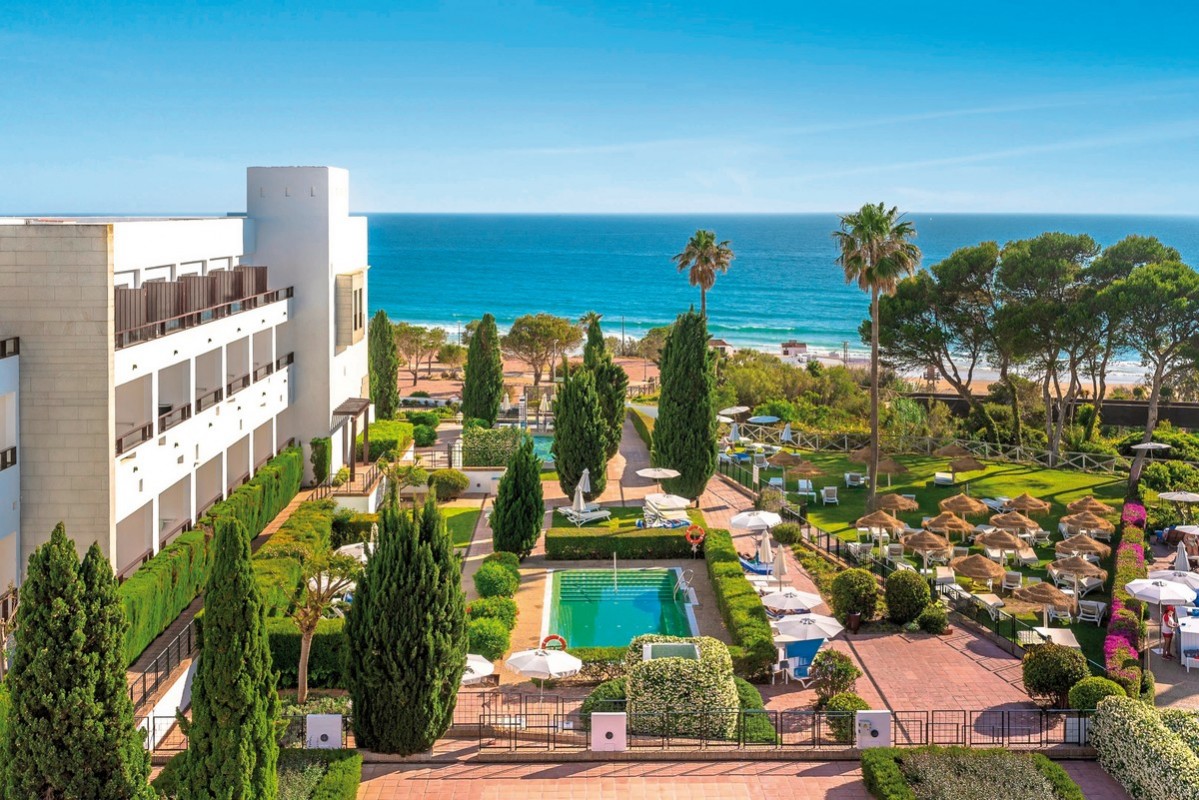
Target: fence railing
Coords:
[(159, 670), (163, 327), (165, 736)]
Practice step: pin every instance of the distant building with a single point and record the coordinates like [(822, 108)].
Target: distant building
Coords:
[(795, 352), (722, 347)]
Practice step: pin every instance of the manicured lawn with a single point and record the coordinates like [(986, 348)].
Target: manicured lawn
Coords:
[(623, 519), (461, 523)]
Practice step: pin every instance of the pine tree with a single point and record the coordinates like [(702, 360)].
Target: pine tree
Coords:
[(119, 759), (519, 504), (54, 721), (611, 383), (580, 434), (232, 746), (685, 433), (384, 366), (484, 380), (407, 635)]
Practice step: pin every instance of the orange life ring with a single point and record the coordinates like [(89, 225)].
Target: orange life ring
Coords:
[(695, 535), (553, 637)]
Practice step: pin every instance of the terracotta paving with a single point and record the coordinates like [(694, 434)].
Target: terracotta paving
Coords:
[(1094, 782)]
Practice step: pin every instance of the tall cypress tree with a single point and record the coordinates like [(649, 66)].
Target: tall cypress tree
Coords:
[(119, 758), (484, 380), (519, 503), (685, 433), (232, 747), (54, 722), (595, 348), (580, 434), (384, 366), (611, 383), (407, 635)]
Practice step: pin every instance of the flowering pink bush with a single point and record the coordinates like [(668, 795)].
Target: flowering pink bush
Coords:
[(1133, 514), (1121, 654)]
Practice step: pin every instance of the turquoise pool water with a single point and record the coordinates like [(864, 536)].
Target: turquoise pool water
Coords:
[(588, 610), (541, 448)]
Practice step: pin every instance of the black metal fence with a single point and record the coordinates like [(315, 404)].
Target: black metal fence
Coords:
[(164, 736), (160, 669)]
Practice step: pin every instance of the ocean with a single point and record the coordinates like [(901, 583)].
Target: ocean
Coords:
[(446, 270)]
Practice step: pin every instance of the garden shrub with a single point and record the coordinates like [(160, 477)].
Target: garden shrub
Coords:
[(684, 685), (166, 783), (501, 608), (321, 458), (1050, 670), (489, 447), (933, 619), (644, 425), (161, 589), (591, 544), (343, 475), (1136, 748), (342, 771), (832, 673), (488, 637), (448, 484), (756, 728), (1086, 694), (754, 651), (430, 419), (854, 591), (600, 663), (4, 703), (787, 533), (1063, 785), (882, 775), (278, 564), (495, 580), (960, 772), (842, 710), (907, 596), (819, 568), (326, 660), (423, 436), (509, 561), (350, 527), (389, 439), (608, 696), (256, 503), (1184, 722)]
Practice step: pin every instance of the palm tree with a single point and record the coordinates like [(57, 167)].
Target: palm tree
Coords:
[(704, 257), (876, 251)]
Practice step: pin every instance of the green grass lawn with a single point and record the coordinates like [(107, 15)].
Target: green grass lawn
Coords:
[(1058, 487), (623, 519), (460, 520)]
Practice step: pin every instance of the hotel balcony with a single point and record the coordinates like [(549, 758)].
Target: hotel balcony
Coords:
[(10, 473)]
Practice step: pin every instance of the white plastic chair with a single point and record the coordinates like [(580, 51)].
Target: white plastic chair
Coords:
[(1012, 581), (1092, 611), (828, 496)]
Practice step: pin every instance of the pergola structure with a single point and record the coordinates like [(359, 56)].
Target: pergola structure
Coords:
[(354, 408)]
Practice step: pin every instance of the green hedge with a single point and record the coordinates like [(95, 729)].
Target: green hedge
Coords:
[(3, 711), (589, 544), (1141, 752), (644, 425), (277, 564), (326, 661), (258, 502), (164, 586), (754, 651), (343, 772), (389, 439), (884, 778)]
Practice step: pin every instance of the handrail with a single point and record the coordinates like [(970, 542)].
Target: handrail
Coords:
[(8, 458), (210, 399), (10, 346), (163, 665), (165, 537), (237, 384), (132, 438), (133, 565), (174, 417), (162, 327)]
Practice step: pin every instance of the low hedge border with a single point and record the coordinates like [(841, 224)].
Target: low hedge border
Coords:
[(594, 544), (885, 780), (644, 425), (327, 659), (389, 439), (343, 771), (753, 649)]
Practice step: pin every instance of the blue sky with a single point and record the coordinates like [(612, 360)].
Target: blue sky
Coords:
[(580, 106)]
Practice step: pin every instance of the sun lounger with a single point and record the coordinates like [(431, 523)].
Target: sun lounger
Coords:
[(755, 567), (1092, 611), (1026, 557), (805, 488), (1056, 614), (943, 479), (828, 496), (581, 519), (1012, 580), (777, 483), (854, 480)]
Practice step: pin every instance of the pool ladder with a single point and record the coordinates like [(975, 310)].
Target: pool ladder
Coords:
[(684, 584)]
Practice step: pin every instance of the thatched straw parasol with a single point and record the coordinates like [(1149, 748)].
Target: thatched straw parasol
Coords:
[(1000, 539), (1027, 504), (951, 451), (804, 469), (784, 458), (1078, 567), (978, 568), (1082, 544), (1085, 521), (895, 502), (925, 544), (947, 523), (861, 455), (963, 504), (966, 464), (1044, 594), (1013, 520), (1089, 503), (889, 466), (880, 519)]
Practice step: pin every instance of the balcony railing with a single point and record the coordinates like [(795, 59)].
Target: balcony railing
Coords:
[(10, 347), (285, 361), (163, 327), (263, 371), (237, 384), (209, 400), (131, 439), (174, 417), (8, 458)]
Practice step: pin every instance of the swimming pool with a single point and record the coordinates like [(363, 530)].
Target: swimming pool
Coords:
[(541, 448), (589, 609)]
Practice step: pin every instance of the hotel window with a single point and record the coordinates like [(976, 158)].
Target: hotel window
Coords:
[(350, 307)]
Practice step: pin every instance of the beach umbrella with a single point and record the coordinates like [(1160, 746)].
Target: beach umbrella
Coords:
[(1182, 562), (579, 504), (809, 626), (1085, 520), (477, 668), (1160, 592), (786, 435), (1187, 530), (1077, 567), (505, 403), (999, 539), (1013, 520), (978, 568), (543, 664), (735, 433), (895, 502), (1186, 578), (860, 456), (947, 523), (784, 459), (1027, 504), (1092, 505), (733, 411), (889, 466), (763, 419), (667, 502), (1150, 447), (658, 474), (1179, 497), (585, 480), (1044, 594), (880, 519), (925, 544), (765, 552), (755, 520), (723, 420), (804, 469), (780, 569), (951, 451), (1082, 545), (792, 600), (966, 464), (963, 504)]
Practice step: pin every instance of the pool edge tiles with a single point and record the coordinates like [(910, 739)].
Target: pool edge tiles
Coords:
[(551, 596)]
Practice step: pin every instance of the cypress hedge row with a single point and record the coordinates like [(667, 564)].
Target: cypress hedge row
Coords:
[(753, 651), (277, 564), (258, 502), (159, 592)]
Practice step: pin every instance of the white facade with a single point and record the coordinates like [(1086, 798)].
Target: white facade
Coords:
[(159, 373), (10, 476)]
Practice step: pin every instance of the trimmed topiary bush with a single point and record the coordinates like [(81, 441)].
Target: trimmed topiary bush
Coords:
[(854, 591), (907, 596), (1086, 694), (608, 696), (389, 439), (1137, 749), (448, 484), (841, 709), (501, 608), (832, 673), (488, 637), (787, 533), (495, 580), (1050, 670), (682, 684), (429, 419), (424, 435), (882, 775), (933, 619), (509, 561)]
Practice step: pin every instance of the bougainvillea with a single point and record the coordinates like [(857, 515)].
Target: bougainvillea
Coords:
[(1133, 514), (1121, 648)]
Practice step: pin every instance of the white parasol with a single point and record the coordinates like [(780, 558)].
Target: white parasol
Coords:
[(585, 480), (786, 435), (1179, 497), (792, 600), (735, 433), (543, 664), (1185, 577), (1182, 562), (1160, 592), (780, 566), (579, 504), (733, 411), (765, 552), (763, 419), (723, 420), (477, 668), (809, 626), (667, 502), (755, 520)]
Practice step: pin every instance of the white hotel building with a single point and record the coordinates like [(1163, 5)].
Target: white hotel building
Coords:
[(163, 361)]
